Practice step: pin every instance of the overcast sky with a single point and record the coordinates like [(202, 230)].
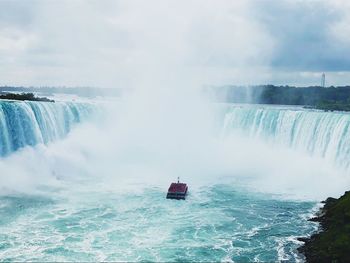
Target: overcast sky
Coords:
[(112, 43)]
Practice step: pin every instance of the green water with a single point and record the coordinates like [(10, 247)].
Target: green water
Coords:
[(217, 223)]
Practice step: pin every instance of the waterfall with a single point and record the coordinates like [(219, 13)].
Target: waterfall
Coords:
[(29, 123), (324, 134)]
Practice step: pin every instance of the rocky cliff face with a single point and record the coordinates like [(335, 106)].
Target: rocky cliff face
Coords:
[(332, 243)]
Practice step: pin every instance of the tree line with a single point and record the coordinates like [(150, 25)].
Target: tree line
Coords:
[(330, 98)]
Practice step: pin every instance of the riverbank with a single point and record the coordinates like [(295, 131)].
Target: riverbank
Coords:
[(332, 243), (332, 106), (23, 96)]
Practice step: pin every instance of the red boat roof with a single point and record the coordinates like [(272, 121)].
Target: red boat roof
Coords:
[(177, 187)]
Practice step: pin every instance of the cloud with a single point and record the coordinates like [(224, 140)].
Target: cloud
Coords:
[(340, 30), (307, 34), (110, 43), (126, 43)]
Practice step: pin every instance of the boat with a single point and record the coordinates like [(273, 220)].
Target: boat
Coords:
[(177, 190)]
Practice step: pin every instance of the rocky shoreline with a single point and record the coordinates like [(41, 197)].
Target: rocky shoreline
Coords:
[(332, 243), (23, 97)]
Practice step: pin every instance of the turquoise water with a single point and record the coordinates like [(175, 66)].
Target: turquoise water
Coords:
[(217, 223), (83, 218)]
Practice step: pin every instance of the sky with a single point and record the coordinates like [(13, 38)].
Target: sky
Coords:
[(122, 44)]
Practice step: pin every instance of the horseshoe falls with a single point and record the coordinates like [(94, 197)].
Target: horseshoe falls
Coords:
[(29, 123), (318, 133), (99, 195)]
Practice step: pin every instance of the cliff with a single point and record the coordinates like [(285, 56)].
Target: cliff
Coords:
[(332, 243)]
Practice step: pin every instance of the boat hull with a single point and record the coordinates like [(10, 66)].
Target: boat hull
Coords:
[(177, 191), (177, 195)]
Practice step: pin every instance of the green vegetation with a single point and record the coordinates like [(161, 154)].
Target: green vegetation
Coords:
[(23, 96), (333, 105), (332, 244), (89, 92), (331, 98)]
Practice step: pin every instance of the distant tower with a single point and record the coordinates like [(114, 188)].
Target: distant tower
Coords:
[(323, 80)]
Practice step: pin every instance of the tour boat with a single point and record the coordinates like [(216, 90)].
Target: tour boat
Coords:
[(177, 191)]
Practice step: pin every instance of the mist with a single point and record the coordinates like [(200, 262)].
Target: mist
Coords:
[(164, 128), (148, 141)]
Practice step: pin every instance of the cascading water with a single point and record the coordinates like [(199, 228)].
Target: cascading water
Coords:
[(322, 134), (30, 123), (108, 202)]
